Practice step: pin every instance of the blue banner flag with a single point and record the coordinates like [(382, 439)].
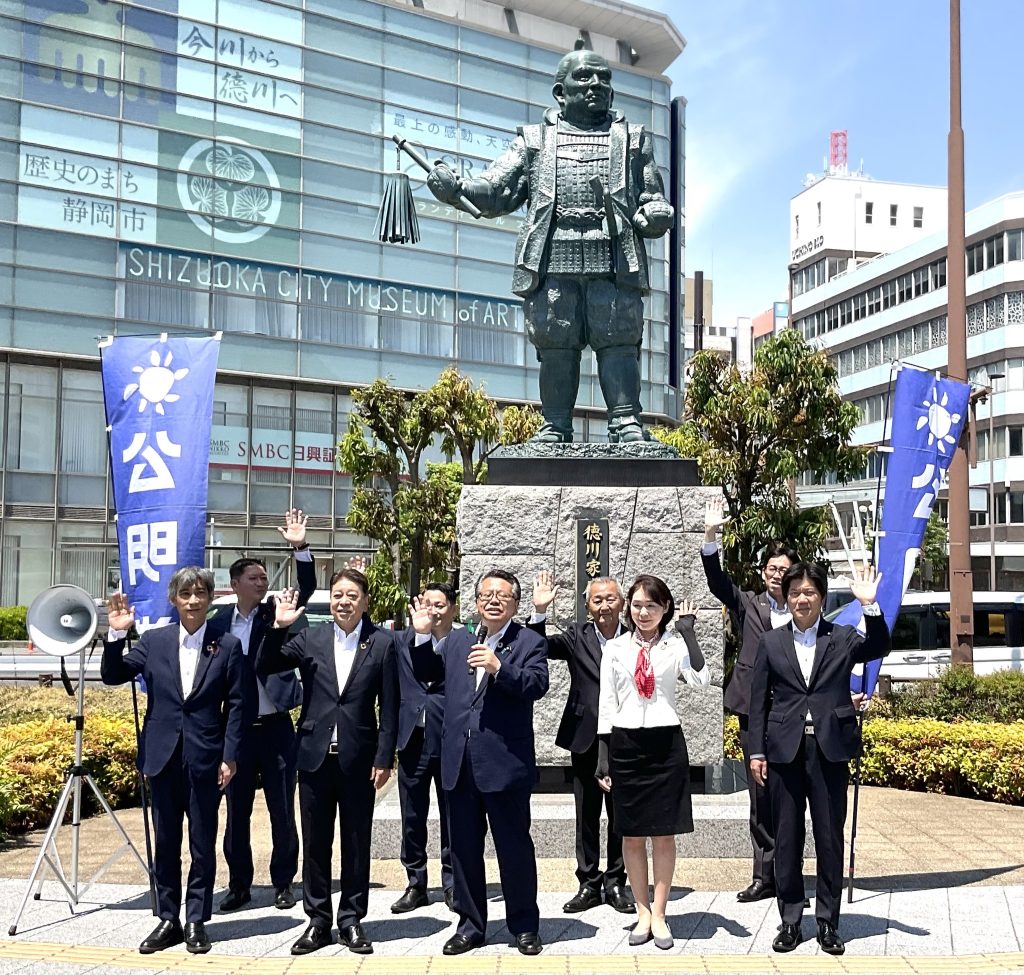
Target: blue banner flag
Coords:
[(928, 415), (158, 395)]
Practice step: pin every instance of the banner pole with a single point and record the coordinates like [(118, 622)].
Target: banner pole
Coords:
[(856, 805)]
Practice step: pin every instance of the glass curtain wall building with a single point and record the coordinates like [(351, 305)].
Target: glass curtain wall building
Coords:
[(190, 166)]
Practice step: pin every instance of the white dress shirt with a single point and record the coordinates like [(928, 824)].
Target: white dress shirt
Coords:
[(241, 626), (491, 640), (189, 645), (621, 705), (345, 647)]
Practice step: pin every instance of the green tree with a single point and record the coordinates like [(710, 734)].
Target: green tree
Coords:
[(756, 432), (401, 501), (934, 558)]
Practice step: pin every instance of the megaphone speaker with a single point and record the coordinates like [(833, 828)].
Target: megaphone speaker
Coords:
[(62, 620)]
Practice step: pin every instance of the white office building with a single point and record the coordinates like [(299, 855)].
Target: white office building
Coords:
[(868, 279)]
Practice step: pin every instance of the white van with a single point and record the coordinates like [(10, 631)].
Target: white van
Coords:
[(920, 636)]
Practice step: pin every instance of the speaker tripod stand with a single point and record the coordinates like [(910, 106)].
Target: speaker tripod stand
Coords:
[(49, 856)]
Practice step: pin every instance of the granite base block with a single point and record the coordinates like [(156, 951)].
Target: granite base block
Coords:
[(657, 530)]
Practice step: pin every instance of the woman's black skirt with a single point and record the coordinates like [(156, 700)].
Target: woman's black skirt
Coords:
[(650, 772)]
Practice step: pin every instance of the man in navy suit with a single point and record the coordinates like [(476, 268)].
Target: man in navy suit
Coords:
[(581, 646), (348, 676), (268, 744), (488, 766), (803, 732), (756, 613), (421, 679), (197, 705)]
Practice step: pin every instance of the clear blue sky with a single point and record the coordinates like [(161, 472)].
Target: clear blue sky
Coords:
[(766, 81)]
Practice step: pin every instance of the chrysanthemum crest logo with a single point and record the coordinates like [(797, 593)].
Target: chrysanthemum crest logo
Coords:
[(229, 190)]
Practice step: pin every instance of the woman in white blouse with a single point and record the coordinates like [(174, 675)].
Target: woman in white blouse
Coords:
[(642, 755)]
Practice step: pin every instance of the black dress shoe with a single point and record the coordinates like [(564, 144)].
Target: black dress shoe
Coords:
[(166, 934), (353, 937), (829, 938), (313, 938), (196, 940), (459, 943), (412, 898), (529, 943), (235, 899), (787, 938), (620, 900), (449, 898), (284, 899), (757, 891), (584, 899)]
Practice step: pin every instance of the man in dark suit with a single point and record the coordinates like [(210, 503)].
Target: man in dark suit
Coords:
[(755, 614), (581, 647), (420, 716), (197, 705), (342, 755), (803, 732), (488, 765), (268, 744)]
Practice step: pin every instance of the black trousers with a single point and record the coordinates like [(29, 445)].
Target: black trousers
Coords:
[(508, 813), (810, 779), (179, 791), (762, 834), (417, 772), (269, 753), (324, 796), (590, 798)]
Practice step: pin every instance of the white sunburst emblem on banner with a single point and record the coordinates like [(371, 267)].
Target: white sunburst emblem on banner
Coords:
[(229, 190), (939, 421), (155, 383)]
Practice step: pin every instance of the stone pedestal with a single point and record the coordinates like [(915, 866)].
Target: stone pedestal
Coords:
[(658, 530)]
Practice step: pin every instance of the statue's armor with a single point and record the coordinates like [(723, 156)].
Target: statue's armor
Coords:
[(579, 236)]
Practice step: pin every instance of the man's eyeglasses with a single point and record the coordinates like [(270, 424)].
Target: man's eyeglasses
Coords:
[(775, 570), (496, 597)]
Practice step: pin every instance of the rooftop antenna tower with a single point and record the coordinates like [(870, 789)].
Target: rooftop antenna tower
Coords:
[(837, 165)]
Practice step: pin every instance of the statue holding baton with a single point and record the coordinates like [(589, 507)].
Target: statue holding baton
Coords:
[(593, 193)]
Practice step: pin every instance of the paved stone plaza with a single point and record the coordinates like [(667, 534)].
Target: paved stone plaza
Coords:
[(940, 889)]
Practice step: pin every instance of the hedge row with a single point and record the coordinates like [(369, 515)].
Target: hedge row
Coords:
[(37, 746), (958, 695), (975, 759), (12, 623)]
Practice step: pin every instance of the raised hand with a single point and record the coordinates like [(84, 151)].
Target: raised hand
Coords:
[(687, 609), (443, 183), (294, 530), (544, 591), (864, 584), (120, 616), (714, 517), (357, 562), (287, 609), (422, 619)]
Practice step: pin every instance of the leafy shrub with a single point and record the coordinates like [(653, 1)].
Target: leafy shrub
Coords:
[(38, 703), (37, 755), (969, 758), (981, 760), (958, 695), (12, 623)]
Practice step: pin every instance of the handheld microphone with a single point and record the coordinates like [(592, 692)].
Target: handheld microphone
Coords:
[(478, 637)]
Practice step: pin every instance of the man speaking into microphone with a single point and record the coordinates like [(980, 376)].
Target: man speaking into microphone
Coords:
[(488, 765)]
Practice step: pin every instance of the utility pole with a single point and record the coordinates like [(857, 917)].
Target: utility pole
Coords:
[(961, 582)]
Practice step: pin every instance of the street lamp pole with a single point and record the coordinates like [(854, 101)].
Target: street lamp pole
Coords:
[(990, 453), (961, 583)]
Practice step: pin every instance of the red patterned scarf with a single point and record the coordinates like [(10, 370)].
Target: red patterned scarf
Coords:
[(643, 676)]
